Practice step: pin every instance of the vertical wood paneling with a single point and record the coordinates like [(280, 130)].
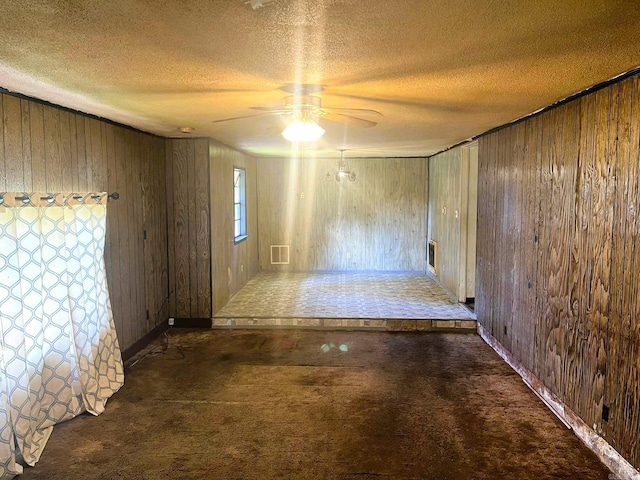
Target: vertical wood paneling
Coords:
[(181, 229), (112, 255), (26, 145), (53, 162), (566, 183), (155, 244), (188, 200), (81, 142), (631, 395), (55, 150), (203, 231), (619, 254), (194, 228), (65, 152), (171, 235), (39, 169), (519, 228), (627, 358), (88, 152), (12, 139), (232, 265), (377, 222)]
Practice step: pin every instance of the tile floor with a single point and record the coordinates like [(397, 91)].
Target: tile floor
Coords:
[(342, 299)]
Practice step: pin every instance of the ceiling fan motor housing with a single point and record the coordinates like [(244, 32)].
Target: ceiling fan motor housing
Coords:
[(302, 101)]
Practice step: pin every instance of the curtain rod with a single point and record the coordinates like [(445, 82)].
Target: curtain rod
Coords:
[(51, 197)]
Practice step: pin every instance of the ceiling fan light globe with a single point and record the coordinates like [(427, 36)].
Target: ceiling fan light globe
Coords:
[(303, 131)]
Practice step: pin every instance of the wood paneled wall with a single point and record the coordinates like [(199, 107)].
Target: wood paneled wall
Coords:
[(233, 264), (453, 180), (377, 222), (48, 149), (189, 223), (558, 277)]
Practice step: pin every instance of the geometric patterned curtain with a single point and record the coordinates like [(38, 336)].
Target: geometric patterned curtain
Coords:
[(59, 354)]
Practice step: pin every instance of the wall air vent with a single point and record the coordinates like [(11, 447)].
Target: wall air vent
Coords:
[(279, 254), (433, 256)]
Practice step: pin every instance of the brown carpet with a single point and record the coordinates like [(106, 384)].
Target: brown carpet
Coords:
[(319, 405)]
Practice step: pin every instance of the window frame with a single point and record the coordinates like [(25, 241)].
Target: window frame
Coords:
[(239, 204)]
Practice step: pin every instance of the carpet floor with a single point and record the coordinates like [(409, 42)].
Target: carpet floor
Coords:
[(304, 404)]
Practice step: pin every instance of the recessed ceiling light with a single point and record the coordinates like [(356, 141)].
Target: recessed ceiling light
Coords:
[(186, 129)]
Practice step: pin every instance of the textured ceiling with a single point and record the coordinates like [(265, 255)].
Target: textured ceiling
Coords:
[(439, 71)]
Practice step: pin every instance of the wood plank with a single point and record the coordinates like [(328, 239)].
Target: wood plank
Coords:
[(171, 235), (618, 258), (608, 171), (65, 151), (484, 232), (98, 163), (38, 162), (73, 151), (534, 225), (11, 154), (53, 162), (510, 221), (203, 225), (161, 282), (81, 142), (520, 288), (143, 325), (531, 243), (193, 230), (26, 145), (113, 232), (579, 262), (568, 171), (131, 229), (120, 210), (598, 232), (181, 222), (89, 154)]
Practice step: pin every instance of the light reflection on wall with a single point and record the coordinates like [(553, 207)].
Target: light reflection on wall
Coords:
[(342, 348)]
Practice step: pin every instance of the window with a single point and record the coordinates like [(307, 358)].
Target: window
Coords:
[(239, 204)]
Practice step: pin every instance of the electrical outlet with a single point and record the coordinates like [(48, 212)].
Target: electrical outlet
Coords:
[(172, 322)]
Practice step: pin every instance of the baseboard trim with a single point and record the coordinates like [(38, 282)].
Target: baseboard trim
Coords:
[(605, 452), (144, 341), (192, 323)]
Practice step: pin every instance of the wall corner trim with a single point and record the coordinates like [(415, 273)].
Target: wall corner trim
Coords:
[(605, 452)]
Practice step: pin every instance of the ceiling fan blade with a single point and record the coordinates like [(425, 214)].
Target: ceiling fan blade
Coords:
[(361, 111), (245, 116), (418, 103), (341, 118), (271, 109)]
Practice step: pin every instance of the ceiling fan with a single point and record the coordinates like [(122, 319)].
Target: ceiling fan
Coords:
[(300, 106)]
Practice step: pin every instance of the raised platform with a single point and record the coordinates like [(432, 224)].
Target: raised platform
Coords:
[(388, 301)]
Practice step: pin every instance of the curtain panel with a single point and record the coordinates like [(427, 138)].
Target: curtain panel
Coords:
[(59, 354)]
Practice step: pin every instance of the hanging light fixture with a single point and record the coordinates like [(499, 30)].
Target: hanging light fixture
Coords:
[(303, 129), (343, 171)]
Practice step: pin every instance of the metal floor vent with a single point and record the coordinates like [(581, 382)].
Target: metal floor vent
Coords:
[(279, 254)]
